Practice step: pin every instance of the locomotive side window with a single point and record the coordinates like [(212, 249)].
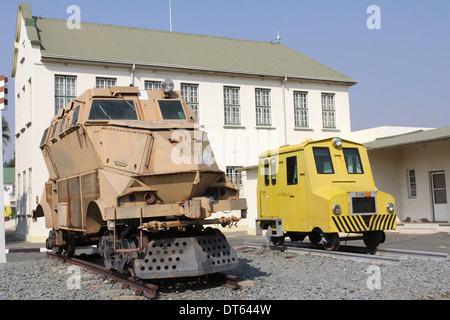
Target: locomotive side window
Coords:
[(266, 172), (171, 110), (322, 158), (113, 110), (273, 171), (291, 170), (353, 161)]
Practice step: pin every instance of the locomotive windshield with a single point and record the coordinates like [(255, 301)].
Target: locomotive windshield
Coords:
[(353, 161), (322, 158), (113, 110), (171, 110)]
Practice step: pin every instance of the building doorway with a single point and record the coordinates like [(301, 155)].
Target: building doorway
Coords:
[(439, 196)]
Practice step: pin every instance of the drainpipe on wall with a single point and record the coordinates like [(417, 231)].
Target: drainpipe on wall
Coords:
[(132, 74), (283, 87)]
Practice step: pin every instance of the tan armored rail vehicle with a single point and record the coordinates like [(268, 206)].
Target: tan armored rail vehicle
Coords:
[(132, 172)]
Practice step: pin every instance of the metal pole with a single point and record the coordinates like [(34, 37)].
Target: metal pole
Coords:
[(170, 14), (2, 204)]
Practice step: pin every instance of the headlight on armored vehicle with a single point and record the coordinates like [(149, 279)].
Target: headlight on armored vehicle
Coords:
[(390, 207), (167, 85), (337, 209)]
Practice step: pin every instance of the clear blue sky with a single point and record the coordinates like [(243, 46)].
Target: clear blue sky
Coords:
[(403, 68)]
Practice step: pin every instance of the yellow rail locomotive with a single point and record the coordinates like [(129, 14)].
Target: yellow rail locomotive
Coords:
[(320, 189)]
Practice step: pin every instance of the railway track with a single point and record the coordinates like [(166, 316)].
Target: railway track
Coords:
[(390, 256), (142, 288)]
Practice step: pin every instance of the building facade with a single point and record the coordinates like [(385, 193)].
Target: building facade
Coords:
[(414, 167), (250, 96)]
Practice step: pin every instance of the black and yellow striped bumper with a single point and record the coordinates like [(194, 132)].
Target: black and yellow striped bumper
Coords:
[(361, 223)]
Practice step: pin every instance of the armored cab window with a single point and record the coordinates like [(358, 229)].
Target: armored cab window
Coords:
[(291, 170), (55, 128), (76, 111), (353, 161), (171, 110), (322, 158), (63, 125), (44, 137), (113, 110)]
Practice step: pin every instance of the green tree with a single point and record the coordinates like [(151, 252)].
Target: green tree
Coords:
[(5, 132)]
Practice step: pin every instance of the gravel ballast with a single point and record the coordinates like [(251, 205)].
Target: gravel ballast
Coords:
[(263, 274)]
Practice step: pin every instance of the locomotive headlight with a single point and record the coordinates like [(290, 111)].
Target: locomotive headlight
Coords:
[(337, 142), (337, 209), (167, 85), (111, 224), (390, 207)]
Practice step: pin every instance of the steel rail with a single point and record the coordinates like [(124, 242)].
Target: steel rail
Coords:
[(141, 288), (345, 255), (381, 255), (414, 253)]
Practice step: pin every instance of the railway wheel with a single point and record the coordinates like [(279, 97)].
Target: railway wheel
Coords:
[(373, 239), (276, 241), (330, 241), (315, 236)]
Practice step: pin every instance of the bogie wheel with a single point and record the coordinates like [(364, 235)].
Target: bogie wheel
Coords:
[(276, 241), (330, 241), (314, 236), (373, 238)]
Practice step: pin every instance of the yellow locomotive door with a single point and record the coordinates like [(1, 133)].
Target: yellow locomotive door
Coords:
[(267, 193)]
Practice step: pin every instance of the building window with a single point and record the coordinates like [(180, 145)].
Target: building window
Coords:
[(189, 92), (412, 187), (301, 109), (105, 82), (328, 111), (152, 85), (236, 179), (232, 105), (65, 91), (262, 100)]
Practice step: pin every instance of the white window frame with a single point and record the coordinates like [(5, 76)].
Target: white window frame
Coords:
[(152, 85), (65, 90), (189, 92), (101, 82), (328, 111), (301, 116), (262, 102), (412, 183), (232, 105)]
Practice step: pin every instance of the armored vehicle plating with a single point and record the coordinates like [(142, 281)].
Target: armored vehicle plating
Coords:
[(132, 172)]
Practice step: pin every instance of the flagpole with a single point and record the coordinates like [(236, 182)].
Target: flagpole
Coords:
[(170, 14)]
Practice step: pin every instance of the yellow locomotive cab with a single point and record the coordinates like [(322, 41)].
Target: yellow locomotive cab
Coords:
[(320, 189)]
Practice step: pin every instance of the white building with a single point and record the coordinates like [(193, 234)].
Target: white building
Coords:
[(250, 96), (414, 168)]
